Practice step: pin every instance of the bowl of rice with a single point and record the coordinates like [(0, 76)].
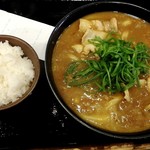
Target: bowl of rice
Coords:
[(19, 70)]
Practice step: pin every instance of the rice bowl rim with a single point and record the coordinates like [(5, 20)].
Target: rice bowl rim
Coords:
[(32, 55)]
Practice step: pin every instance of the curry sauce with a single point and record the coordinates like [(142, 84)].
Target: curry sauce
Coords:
[(123, 111)]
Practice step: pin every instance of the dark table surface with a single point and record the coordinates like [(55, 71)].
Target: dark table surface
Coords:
[(40, 121)]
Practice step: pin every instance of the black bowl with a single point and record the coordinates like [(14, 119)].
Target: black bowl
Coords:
[(63, 24)]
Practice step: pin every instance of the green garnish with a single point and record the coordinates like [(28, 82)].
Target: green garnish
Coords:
[(118, 69)]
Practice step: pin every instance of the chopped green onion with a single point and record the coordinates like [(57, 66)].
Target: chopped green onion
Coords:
[(118, 69)]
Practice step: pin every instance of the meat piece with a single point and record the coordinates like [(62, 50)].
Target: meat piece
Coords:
[(111, 25), (78, 48), (124, 35), (90, 34), (84, 25), (97, 25), (127, 95), (88, 48), (107, 26)]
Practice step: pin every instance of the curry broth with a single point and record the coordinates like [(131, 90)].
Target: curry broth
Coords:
[(102, 109)]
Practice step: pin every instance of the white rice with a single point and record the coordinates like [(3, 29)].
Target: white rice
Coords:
[(16, 73)]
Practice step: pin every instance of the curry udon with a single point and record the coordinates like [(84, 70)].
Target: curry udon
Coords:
[(101, 68)]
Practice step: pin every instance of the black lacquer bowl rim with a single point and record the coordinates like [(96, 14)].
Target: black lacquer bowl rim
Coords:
[(75, 14)]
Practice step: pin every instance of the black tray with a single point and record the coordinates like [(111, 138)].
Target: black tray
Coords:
[(40, 121)]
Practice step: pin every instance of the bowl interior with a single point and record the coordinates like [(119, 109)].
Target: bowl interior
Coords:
[(31, 54), (131, 9)]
